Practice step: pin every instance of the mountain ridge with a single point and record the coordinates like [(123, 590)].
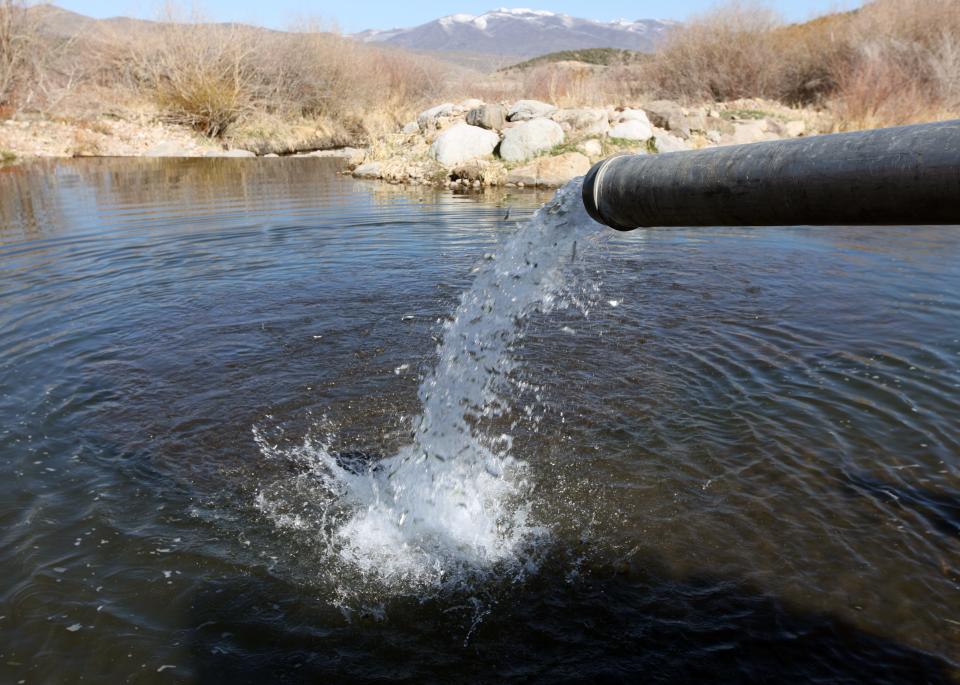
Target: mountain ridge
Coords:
[(522, 32)]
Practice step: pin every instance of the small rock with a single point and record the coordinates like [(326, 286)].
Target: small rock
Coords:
[(524, 110), (660, 112), (429, 119), (474, 170), (633, 115), (491, 117), (368, 170), (746, 132), (462, 142), (669, 143), (528, 138), (671, 116), (234, 153), (271, 155), (632, 129), (794, 128), (591, 148), (410, 128), (550, 171), (166, 148), (587, 121)]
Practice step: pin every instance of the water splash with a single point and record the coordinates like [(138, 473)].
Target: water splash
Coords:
[(455, 500)]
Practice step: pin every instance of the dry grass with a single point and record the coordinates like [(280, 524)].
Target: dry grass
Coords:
[(315, 73), (723, 55), (201, 75), (904, 65), (33, 70), (19, 50), (891, 62), (217, 78)]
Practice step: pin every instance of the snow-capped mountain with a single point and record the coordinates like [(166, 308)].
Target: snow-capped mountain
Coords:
[(523, 33)]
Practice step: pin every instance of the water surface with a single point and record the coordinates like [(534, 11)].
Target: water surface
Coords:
[(739, 446)]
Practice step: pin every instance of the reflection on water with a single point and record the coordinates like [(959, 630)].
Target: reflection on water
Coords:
[(743, 442)]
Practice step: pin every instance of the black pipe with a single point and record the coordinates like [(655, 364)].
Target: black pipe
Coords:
[(894, 176)]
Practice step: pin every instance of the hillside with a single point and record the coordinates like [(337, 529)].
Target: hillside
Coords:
[(604, 57)]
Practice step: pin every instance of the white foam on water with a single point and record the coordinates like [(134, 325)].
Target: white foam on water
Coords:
[(455, 500)]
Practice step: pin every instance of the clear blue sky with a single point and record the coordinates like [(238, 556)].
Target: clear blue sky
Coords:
[(356, 15)]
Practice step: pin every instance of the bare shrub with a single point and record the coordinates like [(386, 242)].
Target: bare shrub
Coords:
[(19, 49), (891, 62), (318, 74), (203, 76), (944, 62), (37, 69), (877, 91), (904, 65), (564, 84), (723, 55)]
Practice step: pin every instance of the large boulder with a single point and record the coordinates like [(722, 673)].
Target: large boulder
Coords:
[(524, 110), (551, 171), (526, 139), (632, 129), (462, 142), (429, 119), (591, 122), (491, 117)]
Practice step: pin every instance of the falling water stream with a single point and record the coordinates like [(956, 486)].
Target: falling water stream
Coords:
[(455, 501)]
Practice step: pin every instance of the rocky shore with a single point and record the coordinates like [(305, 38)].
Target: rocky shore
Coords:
[(473, 144), (467, 145)]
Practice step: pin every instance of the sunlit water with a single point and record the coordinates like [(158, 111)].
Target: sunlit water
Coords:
[(263, 423)]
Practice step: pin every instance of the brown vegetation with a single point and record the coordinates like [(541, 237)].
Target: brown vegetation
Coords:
[(893, 61), (18, 50), (219, 79)]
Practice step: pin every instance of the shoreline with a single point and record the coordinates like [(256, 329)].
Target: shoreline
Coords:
[(468, 145)]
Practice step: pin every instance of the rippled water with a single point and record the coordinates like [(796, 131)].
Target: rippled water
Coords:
[(739, 446)]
